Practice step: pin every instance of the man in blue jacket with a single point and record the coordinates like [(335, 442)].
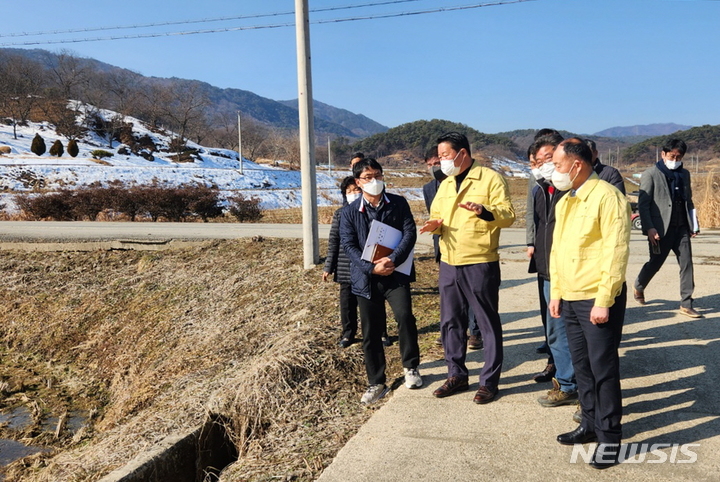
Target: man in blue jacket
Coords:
[(376, 282)]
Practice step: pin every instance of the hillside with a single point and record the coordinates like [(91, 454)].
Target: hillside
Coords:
[(22, 171), (642, 131), (357, 124), (414, 138), (83, 76), (703, 141)]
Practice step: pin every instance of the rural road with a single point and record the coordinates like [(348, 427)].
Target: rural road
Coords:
[(670, 380)]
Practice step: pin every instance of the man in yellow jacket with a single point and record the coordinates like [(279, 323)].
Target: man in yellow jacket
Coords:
[(469, 209), (588, 261)]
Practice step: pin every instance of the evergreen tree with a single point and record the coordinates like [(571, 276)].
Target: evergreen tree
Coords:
[(38, 145), (57, 149), (72, 148)]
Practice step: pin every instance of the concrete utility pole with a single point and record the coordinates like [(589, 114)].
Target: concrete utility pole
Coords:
[(240, 158), (329, 157), (311, 249)]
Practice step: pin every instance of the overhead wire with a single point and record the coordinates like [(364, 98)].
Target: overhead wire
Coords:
[(206, 20), (270, 26)]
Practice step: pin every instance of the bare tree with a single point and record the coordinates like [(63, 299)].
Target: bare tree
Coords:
[(224, 133), (68, 75), (153, 98), (254, 139), (285, 146), (186, 108), (20, 87)]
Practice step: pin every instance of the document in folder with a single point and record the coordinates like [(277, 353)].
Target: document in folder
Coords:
[(382, 241)]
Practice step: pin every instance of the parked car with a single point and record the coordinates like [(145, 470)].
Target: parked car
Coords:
[(635, 216)]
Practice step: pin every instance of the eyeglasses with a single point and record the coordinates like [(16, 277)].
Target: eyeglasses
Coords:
[(379, 177)]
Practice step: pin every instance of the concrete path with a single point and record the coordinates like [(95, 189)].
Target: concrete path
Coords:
[(671, 389)]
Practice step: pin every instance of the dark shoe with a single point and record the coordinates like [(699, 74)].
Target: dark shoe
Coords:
[(578, 436), (557, 397), (345, 342), (690, 312), (639, 296), (485, 395), (438, 342), (606, 455), (544, 348), (577, 416), (545, 375), (452, 385), (475, 342), (386, 340)]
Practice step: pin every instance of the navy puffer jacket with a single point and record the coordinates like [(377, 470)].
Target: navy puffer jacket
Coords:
[(337, 261), (354, 229)]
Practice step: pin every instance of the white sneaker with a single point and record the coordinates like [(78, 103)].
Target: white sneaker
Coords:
[(412, 378), (373, 394)]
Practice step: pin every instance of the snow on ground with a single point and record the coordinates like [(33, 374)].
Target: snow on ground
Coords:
[(22, 171), (509, 167)]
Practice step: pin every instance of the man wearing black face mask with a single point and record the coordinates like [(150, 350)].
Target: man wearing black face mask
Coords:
[(430, 189)]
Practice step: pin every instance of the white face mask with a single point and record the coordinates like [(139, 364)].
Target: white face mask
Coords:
[(672, 165), (373, 187), (448, 167), (536, 173), (352, 197), (546, 170), (562, 181)]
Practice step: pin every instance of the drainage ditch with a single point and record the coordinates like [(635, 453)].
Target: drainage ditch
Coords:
[(198, 456)]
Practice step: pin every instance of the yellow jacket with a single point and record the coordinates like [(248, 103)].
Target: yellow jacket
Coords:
[(464, 237), (590, 249)]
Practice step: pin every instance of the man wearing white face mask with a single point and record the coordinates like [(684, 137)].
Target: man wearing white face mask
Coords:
[(559, 369), (668, 218), (470, 208), (337, 264), (588, 261), (374, 283)]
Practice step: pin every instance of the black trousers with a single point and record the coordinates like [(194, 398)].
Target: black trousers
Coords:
[(348, 311), (594, 352), (676, 240), (374, 322)]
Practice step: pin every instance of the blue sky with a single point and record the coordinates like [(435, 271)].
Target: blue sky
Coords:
[(578, 65)]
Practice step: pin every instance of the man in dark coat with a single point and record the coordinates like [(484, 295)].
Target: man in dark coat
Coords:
[(378, 281), (668, 218), (605, 172), (338, 265)]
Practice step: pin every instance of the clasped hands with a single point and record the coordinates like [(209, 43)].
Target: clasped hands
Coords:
[(383, 267)]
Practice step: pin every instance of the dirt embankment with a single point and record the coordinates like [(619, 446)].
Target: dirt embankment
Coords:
[(150, 344)]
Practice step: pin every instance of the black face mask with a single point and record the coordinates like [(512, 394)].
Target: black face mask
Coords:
[(438, 174)]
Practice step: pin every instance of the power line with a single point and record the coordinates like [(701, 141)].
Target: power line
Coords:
[(271, 26), (206, 20)]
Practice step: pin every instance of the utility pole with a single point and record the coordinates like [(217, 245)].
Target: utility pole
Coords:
[(311, 249), (329, 157), (240, 158)]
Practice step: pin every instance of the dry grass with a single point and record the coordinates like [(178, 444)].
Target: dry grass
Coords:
[(708, 207), (155, 343)]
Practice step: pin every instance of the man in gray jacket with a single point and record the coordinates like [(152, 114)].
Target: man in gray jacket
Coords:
[(668, 218)]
